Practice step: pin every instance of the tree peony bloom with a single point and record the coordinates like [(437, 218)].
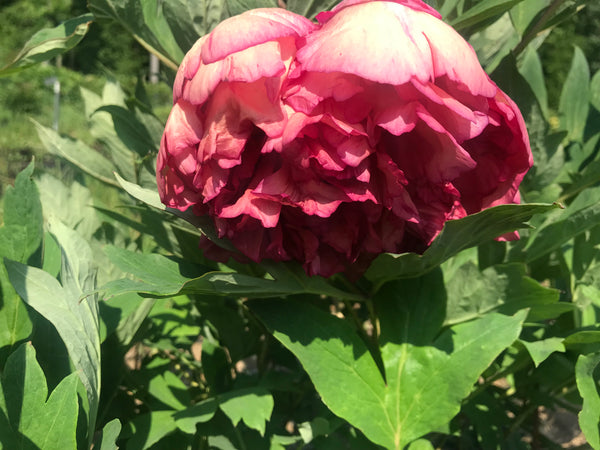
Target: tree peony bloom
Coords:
[(331, 142)]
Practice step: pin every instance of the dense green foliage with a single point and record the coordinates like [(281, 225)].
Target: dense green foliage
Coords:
[(115, 330)]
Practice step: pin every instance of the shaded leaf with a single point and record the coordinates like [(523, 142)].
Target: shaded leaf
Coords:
[(456, 236), (168, 388), (132, 133), (137, 18), (150, 428), (582, 214), (187, 419), (189, 20)]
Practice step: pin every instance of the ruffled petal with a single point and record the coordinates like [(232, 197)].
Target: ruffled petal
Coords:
[(253, 28), (406, 43)]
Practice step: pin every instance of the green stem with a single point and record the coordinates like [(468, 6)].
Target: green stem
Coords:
[(239, 438)]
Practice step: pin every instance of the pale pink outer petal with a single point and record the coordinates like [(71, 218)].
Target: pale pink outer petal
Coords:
[(252, 28), (405, 43), (187, 68)]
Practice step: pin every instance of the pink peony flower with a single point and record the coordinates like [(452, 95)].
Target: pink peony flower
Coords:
[(331, 142)]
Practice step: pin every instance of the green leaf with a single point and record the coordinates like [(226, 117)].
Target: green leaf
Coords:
[(159, 276), (49, 43), (170, 390), (421, 444), (395, 413), (77, 153), (335, 358), (313, 429), (589, 417), (189, 20), (582, 214), (253, 406), (22, 207), (457, 235), (75, 320), (151, 198), (235, 7), (595, 91), (106, 439), (48, 423), (151, 428), (523, 14), (148, 196), (531, 69), (494, 42), (574, 102), (540, 350), (310, 8), (587, 177), (15, 324), (477, 16), (128, 328), (132, 133), (142, 19), (504, 288), (187, 419)]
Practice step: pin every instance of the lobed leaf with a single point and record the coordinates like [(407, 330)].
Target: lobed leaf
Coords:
[(76, 321), (45, 422), (253, 406), (395, 411)]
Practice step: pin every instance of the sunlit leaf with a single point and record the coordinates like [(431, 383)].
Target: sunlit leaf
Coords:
[(587, 382), (46, 422), (575, 97), (49, 43), (418, 364)]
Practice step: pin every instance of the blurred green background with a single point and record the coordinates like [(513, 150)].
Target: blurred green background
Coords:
[(106, 52)]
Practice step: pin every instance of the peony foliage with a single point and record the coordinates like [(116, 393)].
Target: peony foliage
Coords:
[(359, 225)]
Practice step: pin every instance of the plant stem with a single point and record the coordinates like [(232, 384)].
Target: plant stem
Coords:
[(240, 439)]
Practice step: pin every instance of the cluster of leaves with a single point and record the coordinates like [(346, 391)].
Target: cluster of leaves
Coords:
[(144, 343)]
